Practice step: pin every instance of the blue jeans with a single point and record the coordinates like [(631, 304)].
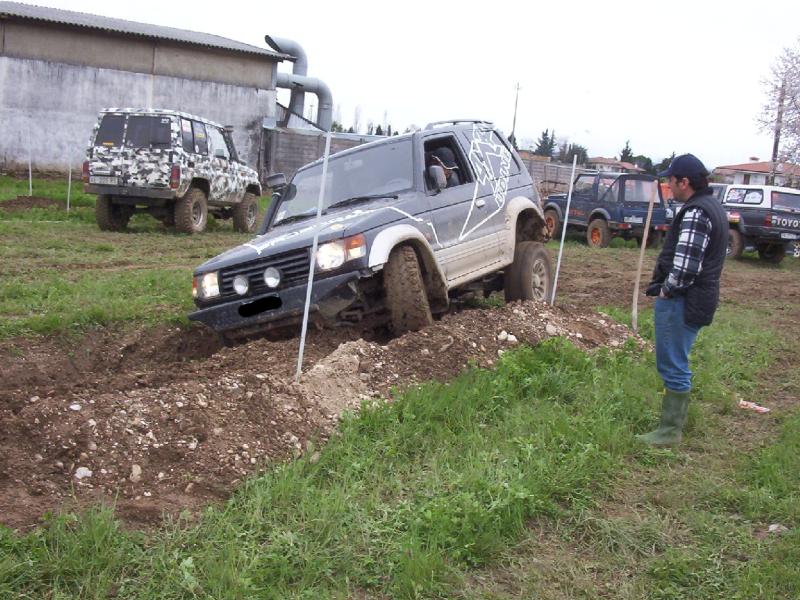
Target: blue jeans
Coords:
[(674, 340)]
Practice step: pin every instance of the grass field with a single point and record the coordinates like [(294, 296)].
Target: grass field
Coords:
[(520, 482)]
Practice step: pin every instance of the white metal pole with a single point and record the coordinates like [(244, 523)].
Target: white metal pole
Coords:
[(313, 257), (69, 185), (635, 309), (564, 229), (30, 167)]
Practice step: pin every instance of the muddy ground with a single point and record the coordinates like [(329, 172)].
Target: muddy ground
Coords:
[(162, 420)]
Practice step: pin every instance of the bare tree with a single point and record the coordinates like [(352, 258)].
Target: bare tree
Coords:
[(357, 119), (781, 111)]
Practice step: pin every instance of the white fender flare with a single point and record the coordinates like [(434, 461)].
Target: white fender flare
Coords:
[(390, 237)]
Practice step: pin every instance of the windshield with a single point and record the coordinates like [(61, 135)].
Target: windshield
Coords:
[(385, 169), (638, 190)]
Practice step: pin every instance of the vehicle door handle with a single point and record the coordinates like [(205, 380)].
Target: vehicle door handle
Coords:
[(480, 202)]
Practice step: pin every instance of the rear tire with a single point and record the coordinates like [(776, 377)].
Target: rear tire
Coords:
[(110, 216), (245, 214), (597, 234), (771, 253), (191, 212), (530, 276), (552, 222), (735, 244), (406, 297)]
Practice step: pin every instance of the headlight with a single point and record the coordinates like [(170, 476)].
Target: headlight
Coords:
[(334, 254), (272, 277), (241, 284), (206, 285)]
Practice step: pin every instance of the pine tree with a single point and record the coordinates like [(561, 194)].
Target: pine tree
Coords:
[(627, 154), (546, 143)]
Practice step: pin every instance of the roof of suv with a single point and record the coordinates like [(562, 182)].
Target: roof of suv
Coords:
[(160, 111)]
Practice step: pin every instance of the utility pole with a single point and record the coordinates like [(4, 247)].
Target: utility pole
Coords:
[(514, 122), (778, 125)]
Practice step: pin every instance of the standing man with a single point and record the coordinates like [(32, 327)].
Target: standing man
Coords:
[(686, 281)]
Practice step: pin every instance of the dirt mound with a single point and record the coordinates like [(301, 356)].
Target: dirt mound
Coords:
[(29, 202), (165, 420)]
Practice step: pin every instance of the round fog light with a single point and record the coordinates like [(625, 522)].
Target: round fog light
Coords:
[(241, 285), (272, 277)]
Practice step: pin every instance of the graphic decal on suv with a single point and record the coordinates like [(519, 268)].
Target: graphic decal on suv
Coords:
[(491, 161)]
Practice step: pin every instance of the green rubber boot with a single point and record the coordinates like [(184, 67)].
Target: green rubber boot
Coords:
[(674, 408)]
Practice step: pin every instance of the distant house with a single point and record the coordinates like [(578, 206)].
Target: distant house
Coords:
[(759, 173), (612, 164)]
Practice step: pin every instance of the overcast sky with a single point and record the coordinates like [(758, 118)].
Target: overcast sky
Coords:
[(681, 76)]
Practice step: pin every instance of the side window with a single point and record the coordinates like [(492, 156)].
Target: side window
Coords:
[(187, 139), (612, 193), (217, 142), (200, 140), (444, 152), (753, 197), (583, 184), (231, 147)]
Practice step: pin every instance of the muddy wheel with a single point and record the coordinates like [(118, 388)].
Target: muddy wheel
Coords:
[(245, 214), (771, 253), (654, 239), (552, 222), (110, 216), (598, 235), (191, 212), (530, 276), (406, 297), (735, 244), (796, 249)]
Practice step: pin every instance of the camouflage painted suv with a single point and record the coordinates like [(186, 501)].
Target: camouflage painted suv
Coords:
[(409, 223), (174, 166)]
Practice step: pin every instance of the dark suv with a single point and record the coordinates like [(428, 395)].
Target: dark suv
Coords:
[(765, 218), (605, 205), (400, 236)]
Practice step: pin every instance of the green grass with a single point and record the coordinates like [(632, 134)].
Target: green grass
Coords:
[(60, 273), (415, 498)]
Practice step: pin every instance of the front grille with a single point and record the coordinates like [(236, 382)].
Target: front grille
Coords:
[(293, 267)]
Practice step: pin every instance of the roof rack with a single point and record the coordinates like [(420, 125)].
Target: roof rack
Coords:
[(456, 122)]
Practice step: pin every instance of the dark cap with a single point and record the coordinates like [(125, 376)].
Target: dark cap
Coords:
[(445, 157), (685, 165)]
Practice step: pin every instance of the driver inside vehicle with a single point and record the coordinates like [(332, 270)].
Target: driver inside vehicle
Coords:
[(444, 157)]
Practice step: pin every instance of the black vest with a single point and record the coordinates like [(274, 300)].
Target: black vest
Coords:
[(702, 297)]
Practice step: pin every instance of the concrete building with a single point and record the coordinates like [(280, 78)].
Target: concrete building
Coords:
[(58, 68)]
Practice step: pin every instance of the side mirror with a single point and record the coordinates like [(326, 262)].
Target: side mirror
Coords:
[(436, 173), (276, 181), (220, 153)]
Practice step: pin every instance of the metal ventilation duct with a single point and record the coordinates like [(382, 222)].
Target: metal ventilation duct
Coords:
[(299, 82)]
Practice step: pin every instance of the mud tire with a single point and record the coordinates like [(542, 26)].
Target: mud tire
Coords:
[(735, 244), (406, 297), (110, 216), (530, 276), (552, 222), (245, 214), (598, 234), (191, 212), (771, 253)]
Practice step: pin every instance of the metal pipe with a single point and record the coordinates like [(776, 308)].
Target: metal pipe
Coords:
[(299, 82)]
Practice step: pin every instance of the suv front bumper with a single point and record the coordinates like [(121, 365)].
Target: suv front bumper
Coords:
[(329, 296)]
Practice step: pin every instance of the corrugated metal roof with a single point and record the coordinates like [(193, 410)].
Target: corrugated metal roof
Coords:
[(68, 17)]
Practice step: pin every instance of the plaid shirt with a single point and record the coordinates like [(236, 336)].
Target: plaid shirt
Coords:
[(688, 260)]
